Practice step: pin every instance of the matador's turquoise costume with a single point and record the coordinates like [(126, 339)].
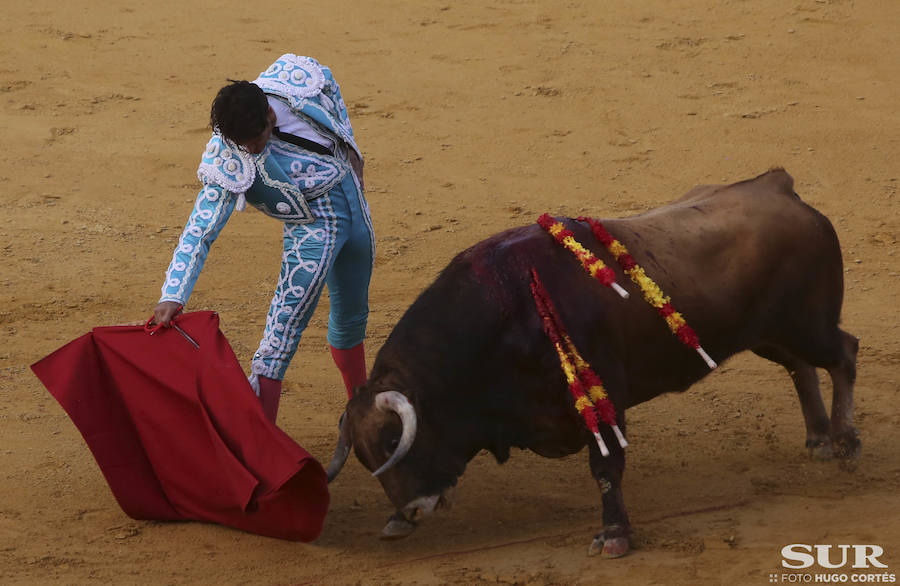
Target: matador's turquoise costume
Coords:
[(328, 236)]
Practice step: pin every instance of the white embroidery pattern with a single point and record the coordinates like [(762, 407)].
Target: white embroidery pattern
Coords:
[(299, 286), (332, 101), (303, 75), (294, 207), (211, 210), (224, 164), (315, 88)]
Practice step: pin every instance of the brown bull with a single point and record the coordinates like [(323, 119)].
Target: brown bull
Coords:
[(469, 368)]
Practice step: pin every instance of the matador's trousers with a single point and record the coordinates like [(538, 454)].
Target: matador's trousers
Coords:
[(337, 250)]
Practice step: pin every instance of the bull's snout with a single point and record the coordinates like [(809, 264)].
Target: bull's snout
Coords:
[(398, 526), (405, 520), (420, 507)]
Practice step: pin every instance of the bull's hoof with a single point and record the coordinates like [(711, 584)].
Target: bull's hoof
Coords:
[(820, 449), (846, 445), (397, 527), (609, 547)]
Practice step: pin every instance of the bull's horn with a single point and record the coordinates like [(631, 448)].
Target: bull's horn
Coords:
[(399, 404), (341, 451)]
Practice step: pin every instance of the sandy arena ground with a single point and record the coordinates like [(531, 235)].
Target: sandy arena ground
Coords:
[(474, 117)]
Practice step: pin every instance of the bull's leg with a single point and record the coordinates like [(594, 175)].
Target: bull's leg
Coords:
[(806, 382), (612, 542), (844, 436)]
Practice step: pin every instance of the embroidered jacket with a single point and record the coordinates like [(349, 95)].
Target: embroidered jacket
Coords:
[(279, 181)]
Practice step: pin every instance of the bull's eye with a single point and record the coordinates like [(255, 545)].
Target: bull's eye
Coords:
[(389, 441)]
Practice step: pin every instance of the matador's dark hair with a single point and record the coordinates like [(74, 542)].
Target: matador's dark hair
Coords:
[(239, 111)]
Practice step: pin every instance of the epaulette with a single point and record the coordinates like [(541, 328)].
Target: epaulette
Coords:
[(292, 77), (227, 166)]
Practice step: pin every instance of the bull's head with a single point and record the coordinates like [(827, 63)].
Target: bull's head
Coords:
[(384, 431)]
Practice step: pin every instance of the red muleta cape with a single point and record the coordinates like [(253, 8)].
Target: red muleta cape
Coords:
[(179, 434)]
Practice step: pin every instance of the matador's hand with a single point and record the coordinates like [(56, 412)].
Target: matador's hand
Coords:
[(165, 312)]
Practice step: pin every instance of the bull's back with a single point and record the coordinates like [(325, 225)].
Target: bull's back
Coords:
[(724, 242), (746, 264)]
